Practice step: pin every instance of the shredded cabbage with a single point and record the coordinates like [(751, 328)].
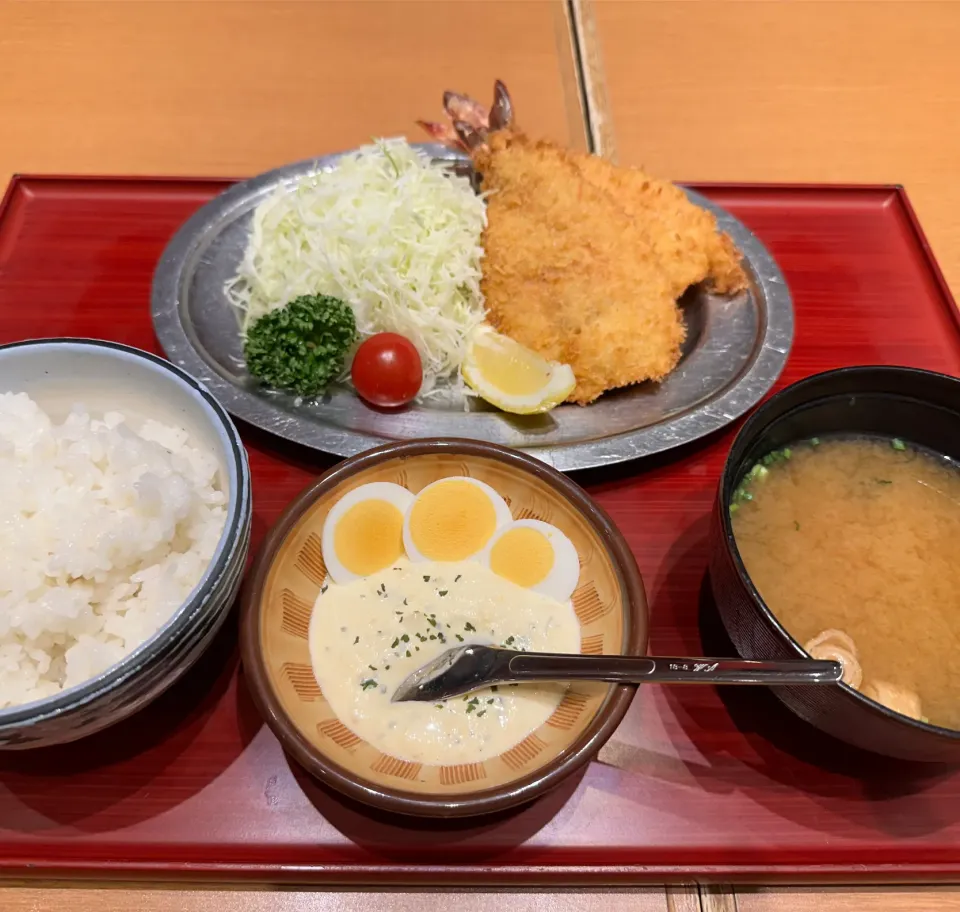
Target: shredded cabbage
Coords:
[(388, 231)]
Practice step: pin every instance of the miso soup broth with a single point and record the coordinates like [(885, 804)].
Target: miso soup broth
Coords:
[(852, 543)]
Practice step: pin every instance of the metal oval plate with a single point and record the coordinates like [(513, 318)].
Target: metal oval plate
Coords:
[(736, 348)]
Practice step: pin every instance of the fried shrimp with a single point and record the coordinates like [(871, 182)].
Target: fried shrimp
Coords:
[(584, 261)]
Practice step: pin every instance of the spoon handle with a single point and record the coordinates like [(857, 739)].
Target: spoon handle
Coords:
[(542, 666)]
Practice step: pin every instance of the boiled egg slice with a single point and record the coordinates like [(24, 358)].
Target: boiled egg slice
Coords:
[(537, 556), (363, 532), (453, 519)]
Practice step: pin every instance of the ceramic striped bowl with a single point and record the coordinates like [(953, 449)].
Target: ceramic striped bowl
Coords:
[(609, 602)]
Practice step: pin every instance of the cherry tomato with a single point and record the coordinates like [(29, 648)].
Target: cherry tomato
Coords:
[(387, 370)]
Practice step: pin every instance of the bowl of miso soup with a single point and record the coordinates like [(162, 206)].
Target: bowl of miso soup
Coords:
[(835, 535)]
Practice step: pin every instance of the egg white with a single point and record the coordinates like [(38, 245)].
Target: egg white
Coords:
[(500, 509), (393, 494), (561, 581)]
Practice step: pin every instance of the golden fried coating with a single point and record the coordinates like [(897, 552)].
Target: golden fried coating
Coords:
[(685, 237), (584, 261), (570, 273)]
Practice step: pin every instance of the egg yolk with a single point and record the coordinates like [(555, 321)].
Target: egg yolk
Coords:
[(523, 556), (452, 521), (369, 537)]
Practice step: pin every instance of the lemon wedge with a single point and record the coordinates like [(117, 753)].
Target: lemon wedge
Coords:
[(512, 377)]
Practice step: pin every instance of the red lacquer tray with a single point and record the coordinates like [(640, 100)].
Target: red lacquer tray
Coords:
[(695, 784)]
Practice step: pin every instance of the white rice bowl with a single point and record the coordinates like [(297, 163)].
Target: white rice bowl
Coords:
[(104, 532)]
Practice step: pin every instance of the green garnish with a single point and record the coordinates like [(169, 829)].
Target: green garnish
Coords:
[(460, 638), (796, 525), (426, 579), (301, 346), (395, 643), (883, 481), (405, 638), (357, 640), (469, 627), (370, 682), (441, 593), (776, 456), (758, 472), (898, 444)]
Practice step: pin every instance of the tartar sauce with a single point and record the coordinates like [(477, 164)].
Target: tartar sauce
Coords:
[(367, 636)]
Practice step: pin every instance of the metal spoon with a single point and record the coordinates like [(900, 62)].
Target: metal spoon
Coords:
[(466, 668)]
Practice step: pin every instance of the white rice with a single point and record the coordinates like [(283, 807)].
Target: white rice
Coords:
[(104, 531)]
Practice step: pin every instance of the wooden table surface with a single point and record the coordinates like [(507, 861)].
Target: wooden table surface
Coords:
[(857, 92), (233, 88)]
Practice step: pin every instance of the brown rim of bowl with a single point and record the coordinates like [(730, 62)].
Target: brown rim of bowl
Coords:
[(496, 799)]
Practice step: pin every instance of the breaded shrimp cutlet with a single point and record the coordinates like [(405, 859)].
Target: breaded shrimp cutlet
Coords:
[(685, 237), (584, 261), (569, 274)]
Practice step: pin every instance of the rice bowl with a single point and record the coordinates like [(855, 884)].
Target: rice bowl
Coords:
[(124, 529), (104, 532)]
